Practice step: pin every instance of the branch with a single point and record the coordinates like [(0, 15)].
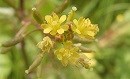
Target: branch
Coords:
[(13, 42), (84, 49), (7, 45), (18, 37), (21, 5), (20, 12), (81, 40)]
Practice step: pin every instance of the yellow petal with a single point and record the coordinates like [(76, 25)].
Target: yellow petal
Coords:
[(47, 30), (96, 28), (48, 18), (44, 26), (87, 21), (62, 18), (53, 32), (59, 56), (65, 27), (90, 33), (75, 22), (60, 31), (73, 28), (81, 21), (64, 61), (78, 31), (54, 23), (55, 16)]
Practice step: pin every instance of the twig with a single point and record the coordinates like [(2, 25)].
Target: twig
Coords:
[(84, 49), (18, 37), (24, 25), (13, 42), (81, 40), (21, 5), (7, 45), (21, 13)]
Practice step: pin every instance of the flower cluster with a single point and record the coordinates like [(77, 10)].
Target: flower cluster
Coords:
[(58, 25), (64, 28)]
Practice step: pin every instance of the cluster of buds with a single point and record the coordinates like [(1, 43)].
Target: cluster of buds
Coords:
[(60, 32)]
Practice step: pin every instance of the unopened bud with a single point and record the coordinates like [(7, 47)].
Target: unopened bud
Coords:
[(37, 16), (74, 8), (33, 9), (35, 64)]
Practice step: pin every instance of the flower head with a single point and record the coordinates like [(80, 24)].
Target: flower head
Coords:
[(54, 24), (84, 61), (46, 44), (67, 54), (84, 28)]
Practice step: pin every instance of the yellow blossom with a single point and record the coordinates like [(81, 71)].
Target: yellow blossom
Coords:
[(84, 28), (54, 24), (67, 54), (84, 61), (46, 44)]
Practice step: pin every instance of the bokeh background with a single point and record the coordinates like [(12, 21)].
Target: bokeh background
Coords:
[(110, 61)]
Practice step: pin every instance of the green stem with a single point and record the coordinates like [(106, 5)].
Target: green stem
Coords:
[(84, 49), (36, 63), (21, 9), (81, 40), (24, 54), (39, 71), (3, 50), (62, 7), (13, 42)]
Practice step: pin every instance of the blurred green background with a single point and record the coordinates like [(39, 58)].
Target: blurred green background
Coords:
[(111, 59)]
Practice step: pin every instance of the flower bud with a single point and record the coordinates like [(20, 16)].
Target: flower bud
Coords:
[(35, 64), (46, 44), (37, 16)]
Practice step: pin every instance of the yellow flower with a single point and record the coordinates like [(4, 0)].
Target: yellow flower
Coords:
[(84, 61), (54, 24), (68, 54), (46, 44), (84, 28)]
